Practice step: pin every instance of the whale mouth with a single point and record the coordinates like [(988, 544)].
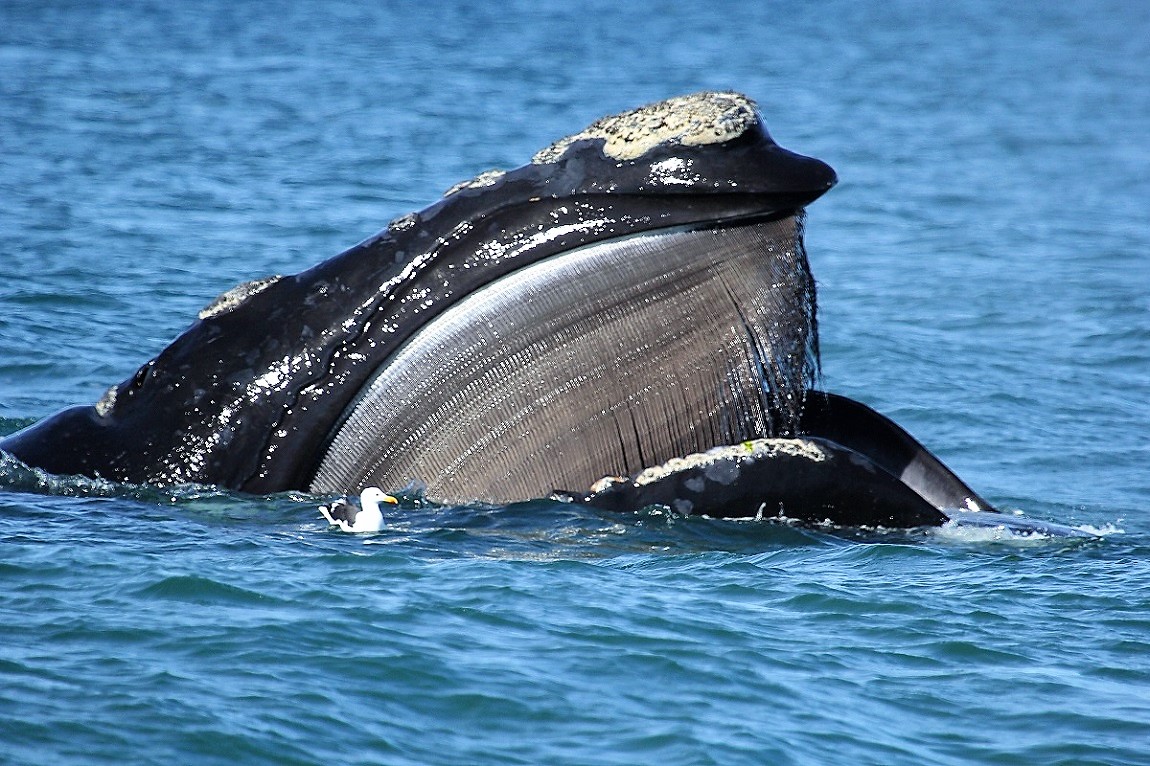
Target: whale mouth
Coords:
[(599, 360)]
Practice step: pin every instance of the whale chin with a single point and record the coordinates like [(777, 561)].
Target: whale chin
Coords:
[(602, 359)]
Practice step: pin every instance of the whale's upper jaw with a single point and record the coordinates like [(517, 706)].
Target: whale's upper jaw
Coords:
[(700, 144), (246, 396)]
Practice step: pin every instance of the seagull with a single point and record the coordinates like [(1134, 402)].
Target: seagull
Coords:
[(366, 518)]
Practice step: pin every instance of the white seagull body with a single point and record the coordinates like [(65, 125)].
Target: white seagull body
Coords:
[(366, 518)]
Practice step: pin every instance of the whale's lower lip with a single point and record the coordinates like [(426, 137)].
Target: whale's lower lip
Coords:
[(609, 358)]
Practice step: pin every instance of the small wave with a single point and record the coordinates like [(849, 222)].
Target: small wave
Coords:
[(18, 476), (1019, 531), (953, 532), (1106, 530), (201, 590), (205, 499), (12, 425)]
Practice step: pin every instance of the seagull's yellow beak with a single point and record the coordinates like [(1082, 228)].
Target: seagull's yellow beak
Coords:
[(389, 499)]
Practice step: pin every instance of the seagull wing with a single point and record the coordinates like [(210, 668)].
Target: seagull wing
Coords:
[(341, 513)]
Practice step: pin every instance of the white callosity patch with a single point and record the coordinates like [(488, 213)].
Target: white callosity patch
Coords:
[(233, 298), (107, 402), (699, 119), (607, 482), (721, 463), (673, 171), (486, 178), (403, 222)]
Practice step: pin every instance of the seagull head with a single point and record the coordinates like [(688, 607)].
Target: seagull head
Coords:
[(371, 497)]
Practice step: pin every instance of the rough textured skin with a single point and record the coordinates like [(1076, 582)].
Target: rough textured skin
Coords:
[(234, 298), (695, 120)]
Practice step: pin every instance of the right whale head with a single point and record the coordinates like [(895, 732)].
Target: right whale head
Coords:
[(638, 291)]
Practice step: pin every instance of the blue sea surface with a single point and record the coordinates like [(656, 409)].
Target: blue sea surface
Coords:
[(984, 279)]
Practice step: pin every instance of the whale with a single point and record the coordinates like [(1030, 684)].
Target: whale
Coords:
[(628, 319)]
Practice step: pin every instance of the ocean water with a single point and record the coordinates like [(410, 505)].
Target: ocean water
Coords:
[(984, 277)]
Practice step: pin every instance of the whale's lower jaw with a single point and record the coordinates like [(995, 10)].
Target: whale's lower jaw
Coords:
[(805, 479), (601, 360)]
